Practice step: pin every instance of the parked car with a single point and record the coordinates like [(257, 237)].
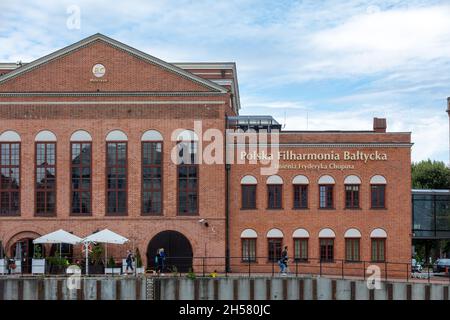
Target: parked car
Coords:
[(441, 265)]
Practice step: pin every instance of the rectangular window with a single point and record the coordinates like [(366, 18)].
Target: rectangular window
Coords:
[(301, 249), (351, 196), (300, 196), (275, 249), (116, 171), (187, 172), (378, 196), (81, 175), (152, 178), (274, 196), (46, 178), (248, 196), (9, 178), (378, 250), (249, 250), (327, 250), (352, 249), (326, 196)]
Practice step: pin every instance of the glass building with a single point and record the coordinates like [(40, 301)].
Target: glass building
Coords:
[(431, 214)]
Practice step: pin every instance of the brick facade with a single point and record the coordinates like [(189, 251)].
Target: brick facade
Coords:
[(61, 96)]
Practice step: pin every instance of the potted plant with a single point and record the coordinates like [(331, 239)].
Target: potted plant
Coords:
[(111, 267), (57, 265), (3, 260), (139, 267), (38, 262), (95, 257)]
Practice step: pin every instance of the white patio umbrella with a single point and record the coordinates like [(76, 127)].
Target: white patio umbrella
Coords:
[(60, 236), (105, 236)]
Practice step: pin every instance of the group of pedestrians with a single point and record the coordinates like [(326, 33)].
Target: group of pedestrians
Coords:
[(160, 259)]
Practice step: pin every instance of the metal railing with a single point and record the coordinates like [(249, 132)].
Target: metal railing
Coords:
[(263, 266)]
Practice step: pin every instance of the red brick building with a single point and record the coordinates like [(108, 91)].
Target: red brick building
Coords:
[(87, 140)]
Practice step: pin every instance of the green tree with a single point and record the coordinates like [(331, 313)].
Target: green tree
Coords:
[(430, 175)]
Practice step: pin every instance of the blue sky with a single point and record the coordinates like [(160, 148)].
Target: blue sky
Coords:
[(318, 65)]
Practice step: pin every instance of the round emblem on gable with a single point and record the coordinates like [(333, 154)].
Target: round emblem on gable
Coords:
[(99, 70)]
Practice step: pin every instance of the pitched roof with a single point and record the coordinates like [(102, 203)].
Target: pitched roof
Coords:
[(100, 37)]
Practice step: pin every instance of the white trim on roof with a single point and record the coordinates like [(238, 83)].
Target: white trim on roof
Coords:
[(326, 179), (300, 233), (352, 179), (352, 233), (327, 233), (378, 233), (10, 136), (275, 233), (249, 179), (274, 180), (117, 44), (300, 179), (249, 233), (378, 180)]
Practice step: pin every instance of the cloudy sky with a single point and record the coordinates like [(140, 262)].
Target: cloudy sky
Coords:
[(317, 65)]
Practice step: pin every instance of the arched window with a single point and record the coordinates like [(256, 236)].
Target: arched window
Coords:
[(352, 187), (45, 174), (81, 173), (378, 192), (352, 245), (326, 244), (300, 184), (326, 192), (275, 244), (248, 240), (378, 248), (152, 177), (9, 173), (248, 192), (274, 192), (301, 237), (187, 172), (117, 173)]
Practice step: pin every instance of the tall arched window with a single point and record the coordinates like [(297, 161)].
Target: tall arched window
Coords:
[(187, 173), (116, 172), (378, 192), (352, 185), (274, 192), (300, 184), (326, 192), (378, 245), (352, 245), (326, 245), (248, 240), (275, 244), (45, 174), (9, 173), (248, 194), (301, 237), (81, 173), (152, 166)]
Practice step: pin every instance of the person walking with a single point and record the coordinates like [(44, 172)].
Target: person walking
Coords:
[(283, 261), (129, 261), (162, 255)]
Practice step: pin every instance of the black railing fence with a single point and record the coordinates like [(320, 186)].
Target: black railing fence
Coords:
[(263, 266)]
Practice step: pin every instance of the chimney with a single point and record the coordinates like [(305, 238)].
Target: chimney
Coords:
[(379, 124)]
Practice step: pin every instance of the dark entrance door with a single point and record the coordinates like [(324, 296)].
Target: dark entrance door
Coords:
[(24, 250), (178, 251)]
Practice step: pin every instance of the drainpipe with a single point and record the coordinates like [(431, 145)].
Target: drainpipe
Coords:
[(227, 218), (227, 203)]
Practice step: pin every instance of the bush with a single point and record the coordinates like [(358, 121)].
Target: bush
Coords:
[(111, 262), (37, 254), (191, 275)]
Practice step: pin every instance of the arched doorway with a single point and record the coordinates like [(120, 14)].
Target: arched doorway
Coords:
[(177, 247), (23, 250)]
